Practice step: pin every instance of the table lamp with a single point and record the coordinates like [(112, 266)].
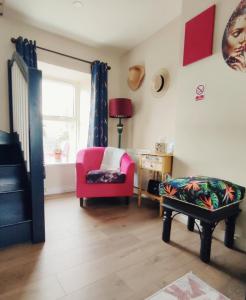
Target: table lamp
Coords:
[(120, 108)]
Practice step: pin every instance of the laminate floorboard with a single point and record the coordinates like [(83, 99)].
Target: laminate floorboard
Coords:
[(111, 251)]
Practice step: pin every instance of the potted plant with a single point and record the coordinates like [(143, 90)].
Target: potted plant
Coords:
[(57, 154)]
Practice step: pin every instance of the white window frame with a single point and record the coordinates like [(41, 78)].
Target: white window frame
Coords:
[(75, 118)]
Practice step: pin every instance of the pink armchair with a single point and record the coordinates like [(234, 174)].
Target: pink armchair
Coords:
[(90, 159)]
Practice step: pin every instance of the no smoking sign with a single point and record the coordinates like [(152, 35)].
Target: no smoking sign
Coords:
[(200, 92)]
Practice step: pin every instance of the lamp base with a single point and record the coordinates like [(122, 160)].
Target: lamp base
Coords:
[(120, 130)]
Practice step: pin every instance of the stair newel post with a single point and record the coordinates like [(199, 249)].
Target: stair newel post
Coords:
[(11, 122), (36, 153)]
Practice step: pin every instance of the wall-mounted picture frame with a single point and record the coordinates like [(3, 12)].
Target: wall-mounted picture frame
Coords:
[(234, 39), (198, 41)]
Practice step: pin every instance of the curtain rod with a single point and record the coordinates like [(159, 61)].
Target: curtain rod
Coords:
[(13, 40)]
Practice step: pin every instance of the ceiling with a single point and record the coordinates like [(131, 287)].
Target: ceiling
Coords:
[(119, 24)]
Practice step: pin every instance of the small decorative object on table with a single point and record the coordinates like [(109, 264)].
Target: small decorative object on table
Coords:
[(160, 147), (170, 147), (207, 199), (160, 163)]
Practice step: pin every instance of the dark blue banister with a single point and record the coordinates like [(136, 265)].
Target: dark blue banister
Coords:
[(33, 78)]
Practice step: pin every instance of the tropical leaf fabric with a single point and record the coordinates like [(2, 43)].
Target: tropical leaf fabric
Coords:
[(206, 192)]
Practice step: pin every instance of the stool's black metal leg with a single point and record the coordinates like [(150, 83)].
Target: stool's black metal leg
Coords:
[(229, 231), (167, 223), (206, 241), (190, 224)]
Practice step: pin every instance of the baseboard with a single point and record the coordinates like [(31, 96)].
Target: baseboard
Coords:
[(59, 190)]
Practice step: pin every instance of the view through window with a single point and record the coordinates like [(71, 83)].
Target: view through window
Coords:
[(65, 120)]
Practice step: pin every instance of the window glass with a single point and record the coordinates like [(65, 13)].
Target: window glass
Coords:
[(58, 98), (66, 107), (59, 141)]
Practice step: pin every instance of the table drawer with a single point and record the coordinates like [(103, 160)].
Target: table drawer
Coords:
[(152, 162)]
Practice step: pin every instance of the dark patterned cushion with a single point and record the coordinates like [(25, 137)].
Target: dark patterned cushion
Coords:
[(101, 176), (206, 192)]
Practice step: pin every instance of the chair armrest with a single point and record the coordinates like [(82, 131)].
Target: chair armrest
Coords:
[(127, 166), (80, 167), (80, 157)]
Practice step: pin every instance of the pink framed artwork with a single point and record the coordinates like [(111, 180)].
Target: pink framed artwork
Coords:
[(198, 42)]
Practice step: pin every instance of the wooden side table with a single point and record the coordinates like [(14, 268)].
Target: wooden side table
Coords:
[(157, 162)]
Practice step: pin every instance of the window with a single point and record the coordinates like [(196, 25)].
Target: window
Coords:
[(61, 120)]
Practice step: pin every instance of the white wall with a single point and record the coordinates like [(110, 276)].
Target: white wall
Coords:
[(62, 181), (154, 118), (210, 134), (60, 178)]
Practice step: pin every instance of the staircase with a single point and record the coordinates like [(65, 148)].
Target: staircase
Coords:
[(15, 204), (21, 157)]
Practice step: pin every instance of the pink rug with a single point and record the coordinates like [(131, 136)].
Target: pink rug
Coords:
[(188, 287)]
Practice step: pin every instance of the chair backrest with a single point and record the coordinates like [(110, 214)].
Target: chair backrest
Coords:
[(92, 157)]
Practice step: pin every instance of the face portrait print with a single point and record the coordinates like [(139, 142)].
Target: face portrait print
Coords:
[(234, 39)]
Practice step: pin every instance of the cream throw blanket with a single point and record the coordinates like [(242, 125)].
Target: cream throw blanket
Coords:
[(111, 159)]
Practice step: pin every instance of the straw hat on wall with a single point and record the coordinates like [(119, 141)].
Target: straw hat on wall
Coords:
[(160, 82), (135, 77)]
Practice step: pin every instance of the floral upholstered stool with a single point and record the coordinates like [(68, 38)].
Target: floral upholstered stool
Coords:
[(207, 199)]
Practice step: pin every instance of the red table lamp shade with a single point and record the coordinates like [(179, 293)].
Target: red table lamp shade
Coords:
[(120, 108)]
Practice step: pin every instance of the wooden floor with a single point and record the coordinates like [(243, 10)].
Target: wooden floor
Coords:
[(112, 251)]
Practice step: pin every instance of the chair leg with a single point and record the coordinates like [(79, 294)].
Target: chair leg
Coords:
[(167, 223), (191, 223), (229, 231), (83, 202), (206, 241), (127, 200)]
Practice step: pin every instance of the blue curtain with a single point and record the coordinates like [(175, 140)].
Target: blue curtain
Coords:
[(98, 127), (27, 50)]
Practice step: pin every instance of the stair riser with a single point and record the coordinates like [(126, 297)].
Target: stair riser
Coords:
[(15, 234), (15, 205), (11, 178), (10, 171), (6, 138), (13, 208), (9, 155)]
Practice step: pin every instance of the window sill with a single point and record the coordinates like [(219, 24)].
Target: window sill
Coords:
[(59, 163)]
